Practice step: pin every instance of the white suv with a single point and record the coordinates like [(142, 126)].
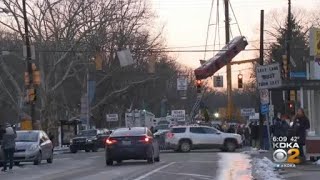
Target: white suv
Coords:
[(185, 138)]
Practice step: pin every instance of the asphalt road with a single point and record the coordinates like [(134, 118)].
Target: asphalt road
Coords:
[(199, 165)]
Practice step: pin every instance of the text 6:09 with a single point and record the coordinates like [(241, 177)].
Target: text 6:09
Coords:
[(279, 139)]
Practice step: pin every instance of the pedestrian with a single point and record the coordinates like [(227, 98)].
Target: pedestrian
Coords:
[(266, 144), (281, 126), (254, 127), (300, 126), (247, 135), (8, 146), (152, 129)]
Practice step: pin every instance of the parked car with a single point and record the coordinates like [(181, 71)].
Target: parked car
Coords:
[(87, 140), (186, 138), (132, 143), (33, 146)]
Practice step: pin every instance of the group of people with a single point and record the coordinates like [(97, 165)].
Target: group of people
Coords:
[(7, 138), (283, 126)]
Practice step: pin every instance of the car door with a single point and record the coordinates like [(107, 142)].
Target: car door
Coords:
[(42, 144), (198, 137), (155, 143), (47, 145), (213, 137)]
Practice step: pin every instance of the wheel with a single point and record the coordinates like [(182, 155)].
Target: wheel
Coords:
[(73, 150), (38, 159), (151, 159), (185, 146), (16, 163), (230, 146), (119, 161), (50, 160), (157, 159)]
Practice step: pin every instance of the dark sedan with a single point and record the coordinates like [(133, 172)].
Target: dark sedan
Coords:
[(135, 143)]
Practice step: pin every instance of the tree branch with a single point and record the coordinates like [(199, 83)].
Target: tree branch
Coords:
[(105, 98)]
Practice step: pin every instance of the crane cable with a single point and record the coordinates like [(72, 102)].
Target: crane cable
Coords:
[(212, 3)]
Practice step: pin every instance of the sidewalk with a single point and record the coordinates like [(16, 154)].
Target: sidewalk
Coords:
[(60, 150), (307, 171)]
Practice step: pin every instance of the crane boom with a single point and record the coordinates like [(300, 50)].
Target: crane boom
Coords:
[(222, 58)]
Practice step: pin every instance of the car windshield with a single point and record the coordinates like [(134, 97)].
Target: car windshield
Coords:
[(129, 132), (30, 136), (88, 133), (162, 127)]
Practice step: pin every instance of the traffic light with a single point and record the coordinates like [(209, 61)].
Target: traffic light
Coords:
[(291, 107), (240, 82), (31, 95), (199, 86)]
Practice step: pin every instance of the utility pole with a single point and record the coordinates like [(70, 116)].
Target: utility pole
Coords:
[(288, 51), (261, 63), (29, 65), (229, 77)]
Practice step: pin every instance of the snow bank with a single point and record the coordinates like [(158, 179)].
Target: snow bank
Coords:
[(317, 162), (264, 169)]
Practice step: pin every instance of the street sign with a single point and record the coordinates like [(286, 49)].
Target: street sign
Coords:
[(218, 81), (264, 96), (112, 117), (248, 112), (264, 108), (269, 76), (182, 84), (271, 110), (314, 41), (298, 74), (179, 115)]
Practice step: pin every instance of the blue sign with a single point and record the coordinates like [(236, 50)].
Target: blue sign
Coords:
[(264, 108), (298, 74)]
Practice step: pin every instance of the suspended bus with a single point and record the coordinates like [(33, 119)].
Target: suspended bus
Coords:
[(222, 58)]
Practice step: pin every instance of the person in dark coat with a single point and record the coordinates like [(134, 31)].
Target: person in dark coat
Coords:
[(8, 146), (300, 126), (255, 134)]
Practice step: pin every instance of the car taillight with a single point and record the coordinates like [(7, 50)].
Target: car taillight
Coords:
[(145, 139), (110, 141), (170, 135)]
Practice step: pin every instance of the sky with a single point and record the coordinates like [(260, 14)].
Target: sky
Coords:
[(186, 27)]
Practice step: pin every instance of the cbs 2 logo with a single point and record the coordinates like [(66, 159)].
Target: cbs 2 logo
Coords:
[(280, 155)]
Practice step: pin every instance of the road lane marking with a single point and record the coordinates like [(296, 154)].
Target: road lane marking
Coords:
[(199, 161), (93, 157), (153, 171), (188, 174), (62, 158)]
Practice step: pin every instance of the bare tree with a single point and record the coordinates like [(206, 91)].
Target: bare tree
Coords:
[(68, 33)]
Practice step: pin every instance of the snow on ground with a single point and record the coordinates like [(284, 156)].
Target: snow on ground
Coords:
[(234, 166), (317, 162), (263, 169), (253, 151)]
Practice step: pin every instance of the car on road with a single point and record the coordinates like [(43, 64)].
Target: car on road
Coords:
[(137, 143), (87, 140), (33, 146), (161, 128), (186, 138)]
